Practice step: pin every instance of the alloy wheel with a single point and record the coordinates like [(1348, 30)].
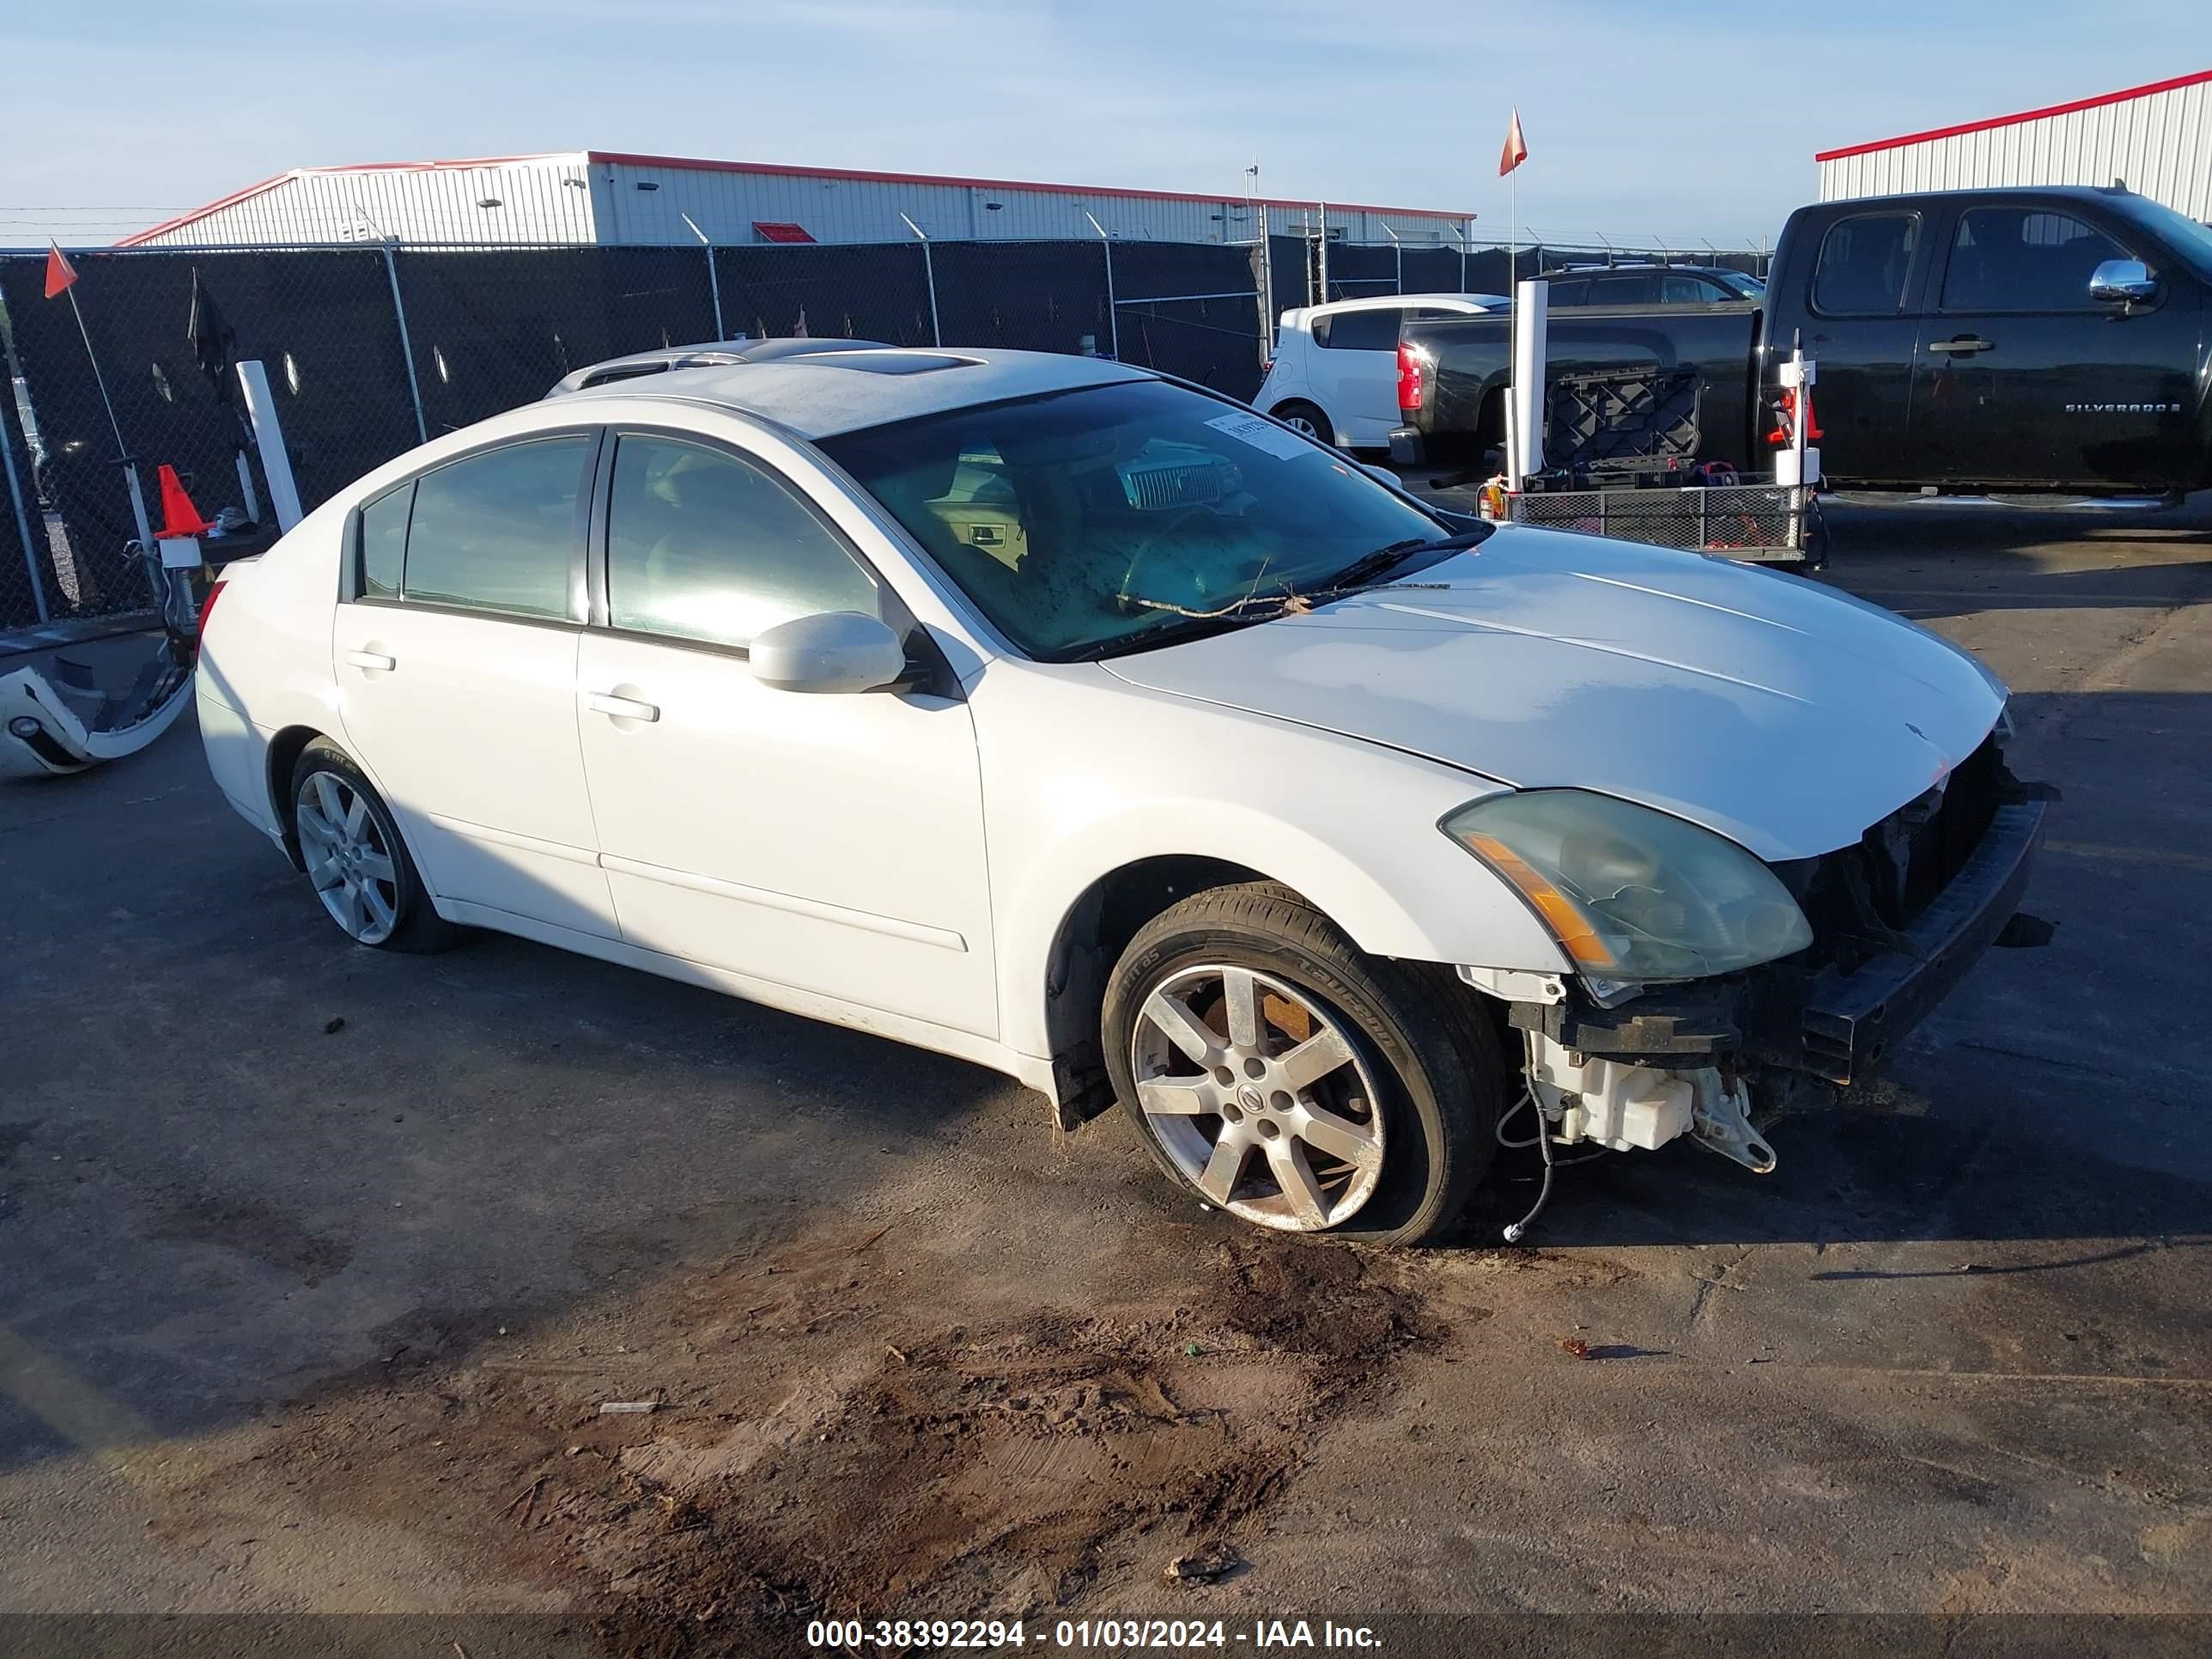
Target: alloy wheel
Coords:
[(1257, 1092), (348, 858)]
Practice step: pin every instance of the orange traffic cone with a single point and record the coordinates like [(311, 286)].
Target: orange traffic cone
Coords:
[(178, 516)]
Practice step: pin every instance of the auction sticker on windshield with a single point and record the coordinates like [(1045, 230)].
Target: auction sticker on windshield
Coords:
[(1262, 434)]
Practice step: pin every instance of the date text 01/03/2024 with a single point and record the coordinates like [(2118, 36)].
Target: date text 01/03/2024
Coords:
[(1113, 1634)]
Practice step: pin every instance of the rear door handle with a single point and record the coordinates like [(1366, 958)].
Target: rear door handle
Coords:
[(620, 708), (371, 659), (1964, 345)]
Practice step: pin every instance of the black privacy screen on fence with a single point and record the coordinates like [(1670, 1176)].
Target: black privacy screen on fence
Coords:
[(369, 349), (493, 328), (321, 321)]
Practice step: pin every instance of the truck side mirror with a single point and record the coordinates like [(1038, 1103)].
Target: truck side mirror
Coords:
[(2121, 282)]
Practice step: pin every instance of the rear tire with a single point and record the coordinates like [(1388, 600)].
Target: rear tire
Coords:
[(355, 856), (1303, 416), (1278, 1072)]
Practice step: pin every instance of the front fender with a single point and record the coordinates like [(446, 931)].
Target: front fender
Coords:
[(1350, 825)]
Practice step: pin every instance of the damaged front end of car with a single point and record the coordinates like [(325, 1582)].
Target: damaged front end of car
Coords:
[(1876, 933)]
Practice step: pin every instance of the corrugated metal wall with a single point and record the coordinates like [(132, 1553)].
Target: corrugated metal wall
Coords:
[(541, 200), (2161, 144), (726, 204), (567, 199)]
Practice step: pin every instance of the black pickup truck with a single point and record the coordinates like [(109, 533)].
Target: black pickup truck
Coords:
[(1996, 339)]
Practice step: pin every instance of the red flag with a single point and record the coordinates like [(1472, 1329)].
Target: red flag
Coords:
[(60, 273), (1517, 148)]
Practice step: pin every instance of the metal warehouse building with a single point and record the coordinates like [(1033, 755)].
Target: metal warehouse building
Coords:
[(592, 197), (2157, 138)]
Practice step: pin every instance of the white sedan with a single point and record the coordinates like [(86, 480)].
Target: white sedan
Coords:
[(1088, 725)]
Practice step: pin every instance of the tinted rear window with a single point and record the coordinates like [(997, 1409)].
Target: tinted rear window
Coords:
[(1363, 330)]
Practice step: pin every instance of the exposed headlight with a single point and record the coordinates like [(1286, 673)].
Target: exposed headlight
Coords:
[(1631, 894)]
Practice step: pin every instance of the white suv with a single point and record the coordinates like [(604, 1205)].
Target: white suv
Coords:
[(1335, 369)]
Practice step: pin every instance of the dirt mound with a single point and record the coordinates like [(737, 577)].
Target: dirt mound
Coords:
[(806, 1453)]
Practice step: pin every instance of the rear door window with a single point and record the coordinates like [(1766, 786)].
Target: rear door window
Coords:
[(1372, 330), (500, 531), (1630, 289), (1864, 264), (2012, 258)]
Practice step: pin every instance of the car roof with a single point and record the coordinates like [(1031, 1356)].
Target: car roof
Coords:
[(1376, 301), (1651, 265), (819, 394)]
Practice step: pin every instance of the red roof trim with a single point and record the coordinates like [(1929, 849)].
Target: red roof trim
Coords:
[(623, 159), (183, 219), (2120, 97)]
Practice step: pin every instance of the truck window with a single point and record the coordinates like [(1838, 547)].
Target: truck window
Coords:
[(1362, 330), (1864, 261), (1575, 292), (2012, 258)]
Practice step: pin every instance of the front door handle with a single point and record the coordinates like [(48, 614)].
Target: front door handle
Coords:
[(375, 661), (621, 709), (1963, 345)]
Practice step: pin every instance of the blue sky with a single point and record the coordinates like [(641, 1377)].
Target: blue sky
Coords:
[(1644, 121)]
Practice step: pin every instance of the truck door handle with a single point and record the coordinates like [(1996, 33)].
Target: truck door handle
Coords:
[(621, 709), (1963, 345), (373, 660)]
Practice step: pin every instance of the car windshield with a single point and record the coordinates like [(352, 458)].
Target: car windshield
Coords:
[(1090, 522)]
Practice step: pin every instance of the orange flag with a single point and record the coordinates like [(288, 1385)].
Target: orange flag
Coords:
[(1517, 148), (60, 273)]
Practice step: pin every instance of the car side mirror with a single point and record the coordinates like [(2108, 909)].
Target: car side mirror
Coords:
[(2122, 282), (831, 651)]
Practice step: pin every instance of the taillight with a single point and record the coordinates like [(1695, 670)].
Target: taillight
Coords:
[(1409, 378), (207, 606)]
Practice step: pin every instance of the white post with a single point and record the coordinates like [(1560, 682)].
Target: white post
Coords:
[(1799, 465), (1266, 287), (1112, 313), (23, 527), (1531, 308), (929, 278), (268, 433), (714, 281), (406, 353), (246, 493)]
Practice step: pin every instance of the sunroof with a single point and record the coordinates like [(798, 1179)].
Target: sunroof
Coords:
[(886, 362)]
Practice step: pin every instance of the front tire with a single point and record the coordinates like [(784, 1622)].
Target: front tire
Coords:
[(1278, 1072), (360, 869)]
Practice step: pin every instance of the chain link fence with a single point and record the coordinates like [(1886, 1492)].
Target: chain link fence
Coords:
[(370, 350)]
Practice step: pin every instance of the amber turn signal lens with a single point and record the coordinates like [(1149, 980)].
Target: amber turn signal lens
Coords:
[(1557, 910)]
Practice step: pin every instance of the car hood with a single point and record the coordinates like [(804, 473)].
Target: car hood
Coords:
[(1781, 713)]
